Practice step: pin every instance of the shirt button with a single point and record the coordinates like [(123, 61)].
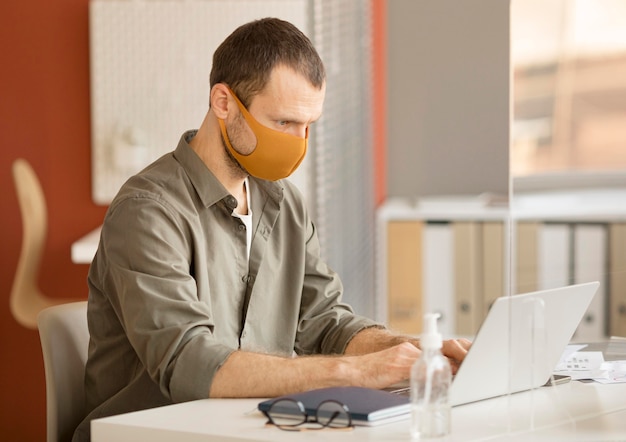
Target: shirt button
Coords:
[(231, 202)]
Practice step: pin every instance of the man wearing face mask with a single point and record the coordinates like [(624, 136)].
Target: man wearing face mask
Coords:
[(208, 280)]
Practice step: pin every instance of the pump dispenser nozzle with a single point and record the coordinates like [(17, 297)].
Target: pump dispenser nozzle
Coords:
[(431, 338)]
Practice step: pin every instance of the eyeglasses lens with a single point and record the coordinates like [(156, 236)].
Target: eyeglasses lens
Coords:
[(333, 414), (287, 413)]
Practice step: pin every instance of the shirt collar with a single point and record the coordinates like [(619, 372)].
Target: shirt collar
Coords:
[(209, 188)]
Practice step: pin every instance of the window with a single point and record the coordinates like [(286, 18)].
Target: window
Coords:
[(569, 86)]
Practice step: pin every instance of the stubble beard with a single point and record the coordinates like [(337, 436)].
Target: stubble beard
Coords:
[(234, 167)]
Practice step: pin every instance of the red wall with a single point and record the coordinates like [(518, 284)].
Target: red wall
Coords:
[(44, 117)]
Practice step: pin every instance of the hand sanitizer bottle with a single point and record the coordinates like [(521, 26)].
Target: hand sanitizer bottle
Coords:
[(431, 377)]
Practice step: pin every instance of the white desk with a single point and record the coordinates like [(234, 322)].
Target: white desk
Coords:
[(84, 249), (569, 412)]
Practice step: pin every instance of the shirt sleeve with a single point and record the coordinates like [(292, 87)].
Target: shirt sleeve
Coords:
[(326, 324), (148, 250)]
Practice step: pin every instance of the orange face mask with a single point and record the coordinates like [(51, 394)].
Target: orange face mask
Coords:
[(276, 155)]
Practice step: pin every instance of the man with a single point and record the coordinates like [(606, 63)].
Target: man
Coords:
[(208, 278)]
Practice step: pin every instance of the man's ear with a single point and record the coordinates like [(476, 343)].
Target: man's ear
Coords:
[(220, 100)]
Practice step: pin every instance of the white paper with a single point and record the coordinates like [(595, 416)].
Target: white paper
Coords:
[(590, 365)]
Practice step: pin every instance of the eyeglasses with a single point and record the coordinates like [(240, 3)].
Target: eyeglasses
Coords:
[(289, 414)]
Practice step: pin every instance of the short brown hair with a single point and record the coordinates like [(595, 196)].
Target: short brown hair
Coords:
[(245, 60)]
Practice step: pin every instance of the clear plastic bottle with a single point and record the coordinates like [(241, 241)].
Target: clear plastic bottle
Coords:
[(431, 377)]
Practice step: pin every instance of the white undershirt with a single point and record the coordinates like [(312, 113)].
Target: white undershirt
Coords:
[(246, 219)]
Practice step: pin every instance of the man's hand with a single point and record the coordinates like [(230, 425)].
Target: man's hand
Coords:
[(372, 340), (392, 365), (455, 350), (385, 367)]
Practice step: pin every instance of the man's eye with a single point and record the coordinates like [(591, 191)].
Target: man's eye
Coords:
[(283, 123)]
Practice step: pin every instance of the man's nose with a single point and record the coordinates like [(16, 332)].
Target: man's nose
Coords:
[(302, 131)]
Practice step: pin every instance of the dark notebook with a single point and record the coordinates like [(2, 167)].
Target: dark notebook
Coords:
[(366, 406)]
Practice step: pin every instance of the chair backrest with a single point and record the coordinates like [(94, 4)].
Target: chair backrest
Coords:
[(64, 341), (26, 300)]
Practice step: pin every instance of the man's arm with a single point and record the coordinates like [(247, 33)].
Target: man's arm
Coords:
[(373, 339), (374, 358), (246, 374)]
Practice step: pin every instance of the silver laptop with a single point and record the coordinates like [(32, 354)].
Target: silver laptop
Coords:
[(520, 342)]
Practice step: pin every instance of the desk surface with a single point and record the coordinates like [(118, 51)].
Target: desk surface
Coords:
[(569, 412)]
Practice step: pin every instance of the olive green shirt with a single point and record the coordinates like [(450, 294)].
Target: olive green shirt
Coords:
[(172, 293)]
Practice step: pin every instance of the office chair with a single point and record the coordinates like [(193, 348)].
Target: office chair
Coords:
[(64, 341), (26, 301)]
